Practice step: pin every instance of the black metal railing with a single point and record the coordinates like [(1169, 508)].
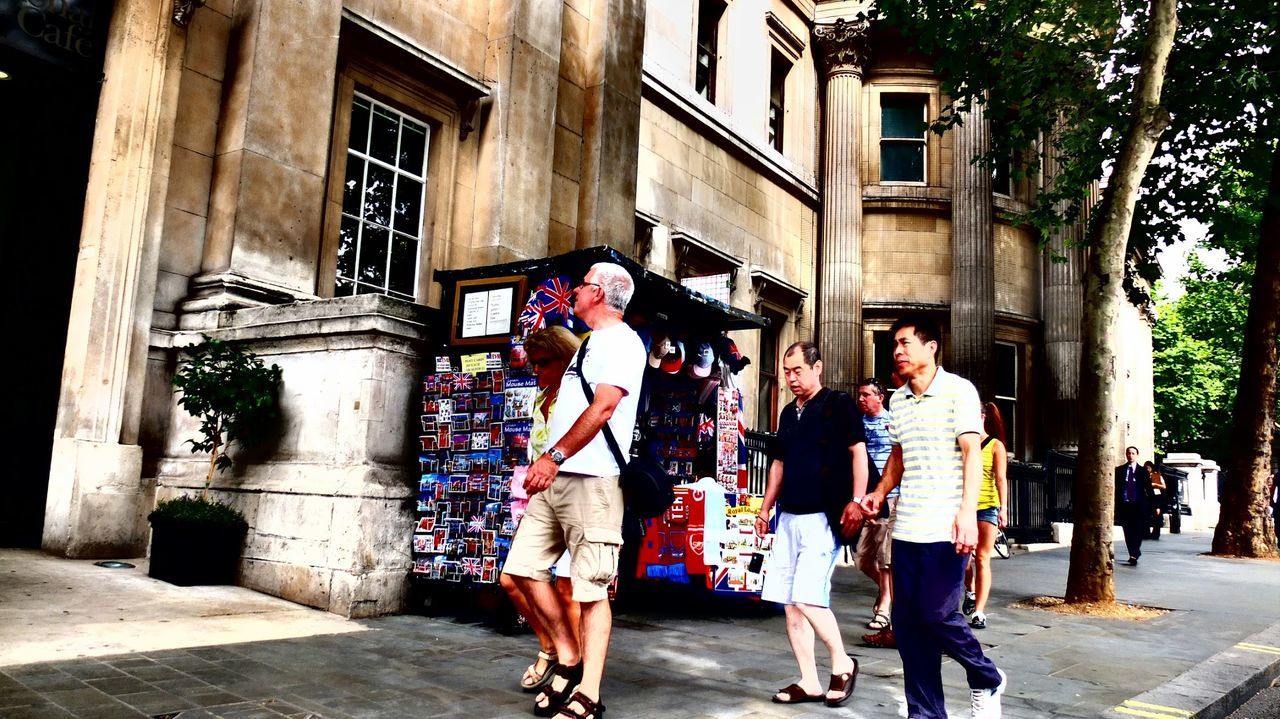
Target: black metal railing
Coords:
[(757, 461), (1030, 509)]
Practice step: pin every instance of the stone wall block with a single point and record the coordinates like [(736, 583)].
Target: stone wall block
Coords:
[(301, 584), (189, 183), (207, 37), (288, 120), (277, 225), (199, 104), (183, 242)]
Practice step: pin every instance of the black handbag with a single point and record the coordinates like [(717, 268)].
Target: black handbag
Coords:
[(646, 488)]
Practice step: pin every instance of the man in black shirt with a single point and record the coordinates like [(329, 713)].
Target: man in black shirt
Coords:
[(817, 476)]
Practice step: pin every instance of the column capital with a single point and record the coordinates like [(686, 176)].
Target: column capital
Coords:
[(844, 45)]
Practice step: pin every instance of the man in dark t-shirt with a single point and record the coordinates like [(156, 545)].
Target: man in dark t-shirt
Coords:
[(817, 476)]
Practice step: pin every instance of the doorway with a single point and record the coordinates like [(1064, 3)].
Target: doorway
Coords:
[(46, 134)]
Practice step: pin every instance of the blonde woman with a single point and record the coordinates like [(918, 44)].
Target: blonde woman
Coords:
[(549, 351)]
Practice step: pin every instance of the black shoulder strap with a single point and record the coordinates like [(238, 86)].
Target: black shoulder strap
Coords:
[(591, 397), (986, 441)]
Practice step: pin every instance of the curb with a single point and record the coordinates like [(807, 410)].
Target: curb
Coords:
[(1214, 688)]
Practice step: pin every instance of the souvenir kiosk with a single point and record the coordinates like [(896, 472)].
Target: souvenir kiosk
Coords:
[(477, 402)]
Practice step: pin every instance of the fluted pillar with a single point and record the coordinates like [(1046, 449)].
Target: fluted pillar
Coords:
[(973, 278), (844, 47), (1063, 275)]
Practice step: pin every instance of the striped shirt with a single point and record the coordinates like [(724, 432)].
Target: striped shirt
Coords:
[(927, 427)]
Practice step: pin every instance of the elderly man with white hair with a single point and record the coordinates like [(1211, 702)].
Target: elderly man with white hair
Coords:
[(575, 500)]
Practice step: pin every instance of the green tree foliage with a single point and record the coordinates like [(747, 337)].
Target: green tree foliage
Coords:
[(1199, 337), (233, 394)]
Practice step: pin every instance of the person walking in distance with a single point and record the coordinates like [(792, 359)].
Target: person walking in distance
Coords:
[(575, 500), (1133, 503), (992, 513), (818, 471), (1158, 488), (937, 463), (875, 551)]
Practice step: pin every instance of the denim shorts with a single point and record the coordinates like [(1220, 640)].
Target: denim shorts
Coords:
[(990, 515)]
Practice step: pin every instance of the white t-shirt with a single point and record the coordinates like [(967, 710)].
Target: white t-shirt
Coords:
[(928, 428), (615, 356)]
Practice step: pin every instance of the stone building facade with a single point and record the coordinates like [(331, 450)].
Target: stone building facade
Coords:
[(289, 173)]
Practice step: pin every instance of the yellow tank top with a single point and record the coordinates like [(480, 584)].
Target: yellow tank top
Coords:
[(988, 497)]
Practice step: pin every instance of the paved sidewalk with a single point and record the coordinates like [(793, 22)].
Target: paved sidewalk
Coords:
[(666, 662)]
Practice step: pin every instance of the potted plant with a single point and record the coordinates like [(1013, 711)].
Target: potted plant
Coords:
[(236, 397)]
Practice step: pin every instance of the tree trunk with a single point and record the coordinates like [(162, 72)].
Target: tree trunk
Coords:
[(1244, 525), (1090, 577)]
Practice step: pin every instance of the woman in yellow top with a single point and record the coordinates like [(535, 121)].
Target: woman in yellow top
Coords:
[(549, 350), (992, 513)]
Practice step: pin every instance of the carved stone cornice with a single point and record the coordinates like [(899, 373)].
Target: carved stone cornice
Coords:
[(844, 45), (184, 9)]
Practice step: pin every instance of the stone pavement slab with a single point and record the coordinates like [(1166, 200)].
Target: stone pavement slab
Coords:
[(718, 660)]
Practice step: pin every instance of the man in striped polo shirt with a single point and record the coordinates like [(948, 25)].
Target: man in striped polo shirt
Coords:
[(937, 464)]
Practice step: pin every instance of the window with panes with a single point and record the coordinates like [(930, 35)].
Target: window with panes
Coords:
[(708, 40), (1006, 391), (780, 68), (903, 137), (384, 193), (767, 393)]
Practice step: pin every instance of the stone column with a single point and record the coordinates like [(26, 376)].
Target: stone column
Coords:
[(96, 503), (266, 200), (843, 47), (611, 124), (1063, 279), (513, 207), (973, 278)]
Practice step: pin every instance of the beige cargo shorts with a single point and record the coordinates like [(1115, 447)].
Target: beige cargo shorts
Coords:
[(582, 513)]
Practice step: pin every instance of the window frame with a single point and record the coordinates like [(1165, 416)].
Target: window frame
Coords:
[(923, 140), (775, 130), (361, 219), (1007, 402), (769, 374), (441, 114), (707, 18)]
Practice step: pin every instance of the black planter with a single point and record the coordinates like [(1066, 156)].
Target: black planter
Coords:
[(189, 553)]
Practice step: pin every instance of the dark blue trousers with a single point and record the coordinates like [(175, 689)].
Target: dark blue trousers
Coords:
[(928, 580)]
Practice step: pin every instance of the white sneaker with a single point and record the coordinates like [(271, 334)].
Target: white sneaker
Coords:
[(986, 702)]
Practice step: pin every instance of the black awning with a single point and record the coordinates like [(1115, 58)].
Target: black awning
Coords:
[(657, 300)]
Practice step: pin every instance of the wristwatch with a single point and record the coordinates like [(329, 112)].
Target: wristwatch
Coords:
[(556, 456)]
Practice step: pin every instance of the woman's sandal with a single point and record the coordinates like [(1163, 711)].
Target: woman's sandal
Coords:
[(589, 709), (556, 699), (795, 694), (844, 684), (532, 680), (881, 621), (882, 639)]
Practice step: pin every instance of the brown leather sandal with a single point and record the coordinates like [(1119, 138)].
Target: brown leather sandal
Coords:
[(556, 699), (796, 695), (844, 684), (590, 709)]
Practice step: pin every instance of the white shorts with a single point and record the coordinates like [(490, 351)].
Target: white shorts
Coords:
[(804, 556)]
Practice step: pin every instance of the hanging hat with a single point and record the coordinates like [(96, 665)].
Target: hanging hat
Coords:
[(659, 345), (729, 354), (673, 359), (701, 361), (550, 304)]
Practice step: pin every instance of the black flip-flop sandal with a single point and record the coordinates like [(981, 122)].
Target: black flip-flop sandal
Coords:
[(843, 683), (795, 694)]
